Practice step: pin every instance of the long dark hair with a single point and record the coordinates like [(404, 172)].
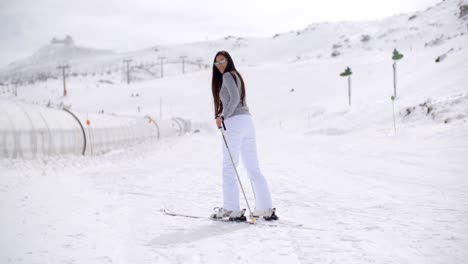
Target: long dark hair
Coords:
[(217, 81)]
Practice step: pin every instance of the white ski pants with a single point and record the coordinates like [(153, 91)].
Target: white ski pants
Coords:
[(240, 137)]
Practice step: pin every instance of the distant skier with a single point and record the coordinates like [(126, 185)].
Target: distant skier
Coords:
[(230, 106)]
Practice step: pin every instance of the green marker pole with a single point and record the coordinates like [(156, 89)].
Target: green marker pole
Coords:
[(394, 79), (396, 56), (393, 108), (349, 89), (348, 73)]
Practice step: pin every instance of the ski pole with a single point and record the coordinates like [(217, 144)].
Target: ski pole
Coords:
[(237, 174)]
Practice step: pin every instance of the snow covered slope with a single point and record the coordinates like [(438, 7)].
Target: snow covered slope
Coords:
[(48, 57), (427, 28), (363, 192)]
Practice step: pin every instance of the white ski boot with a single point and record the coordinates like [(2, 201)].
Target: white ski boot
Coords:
[(221, 213), (267, 214)]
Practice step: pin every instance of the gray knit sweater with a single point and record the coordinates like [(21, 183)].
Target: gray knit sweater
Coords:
[(230, 96)]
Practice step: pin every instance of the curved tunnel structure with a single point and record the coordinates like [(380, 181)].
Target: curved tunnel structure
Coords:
[(27, 131)]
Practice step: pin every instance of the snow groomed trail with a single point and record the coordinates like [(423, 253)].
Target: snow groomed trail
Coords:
[(378, 200)]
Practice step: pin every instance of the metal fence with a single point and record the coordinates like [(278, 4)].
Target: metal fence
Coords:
[(27, 131)]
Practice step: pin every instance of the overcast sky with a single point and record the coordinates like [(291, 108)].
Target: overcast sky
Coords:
[(124, 25)]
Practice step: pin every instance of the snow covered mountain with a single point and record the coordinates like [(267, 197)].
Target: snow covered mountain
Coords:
[(48, 57), (429, 28)]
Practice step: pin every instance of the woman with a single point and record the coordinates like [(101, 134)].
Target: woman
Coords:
[(228, 90)]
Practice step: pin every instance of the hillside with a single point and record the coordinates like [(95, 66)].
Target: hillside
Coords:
[(362, 188)]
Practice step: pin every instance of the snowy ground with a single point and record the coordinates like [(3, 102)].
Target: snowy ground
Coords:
[(363, 193), (361, 199)]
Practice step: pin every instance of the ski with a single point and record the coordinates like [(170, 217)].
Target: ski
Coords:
[(168, 212), (277, 223)]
